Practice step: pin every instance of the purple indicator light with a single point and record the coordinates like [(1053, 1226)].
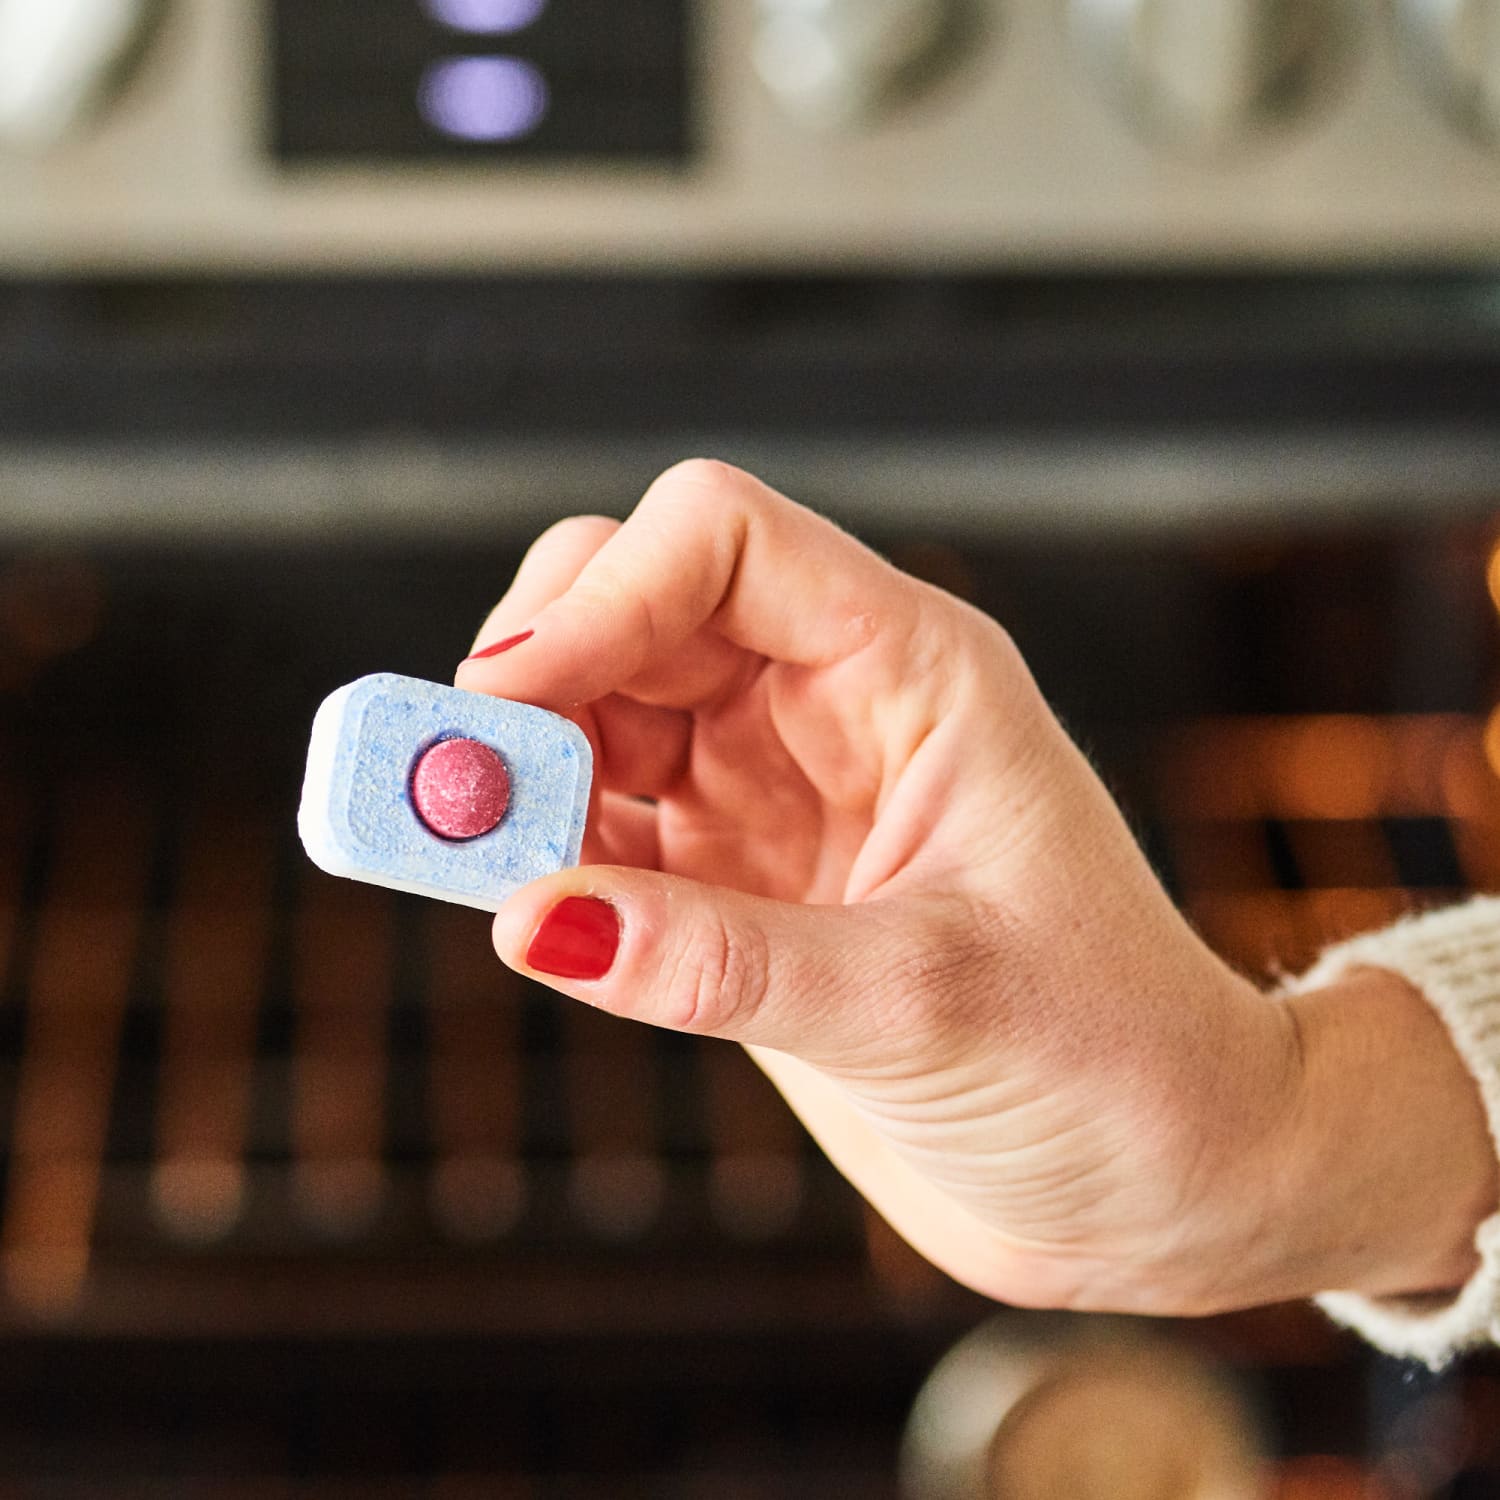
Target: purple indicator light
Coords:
[(485, 17), (483, 98)]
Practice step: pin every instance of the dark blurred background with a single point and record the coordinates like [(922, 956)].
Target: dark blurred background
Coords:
[(1168, 333)]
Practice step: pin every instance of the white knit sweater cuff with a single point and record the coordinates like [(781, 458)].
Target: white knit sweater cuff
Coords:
[(1453, 958)]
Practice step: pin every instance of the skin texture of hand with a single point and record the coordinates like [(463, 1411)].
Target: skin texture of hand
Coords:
[(839, 824)]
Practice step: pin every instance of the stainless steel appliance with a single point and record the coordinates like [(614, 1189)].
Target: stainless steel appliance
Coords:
[(208, 135), (1168, 332)]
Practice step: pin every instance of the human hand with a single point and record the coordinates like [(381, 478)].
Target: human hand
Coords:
[(836, 821)]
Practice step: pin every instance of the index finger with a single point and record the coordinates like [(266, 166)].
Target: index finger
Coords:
[(708, 546)]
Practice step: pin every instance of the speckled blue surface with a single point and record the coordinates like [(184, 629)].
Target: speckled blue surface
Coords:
[(357, 817)]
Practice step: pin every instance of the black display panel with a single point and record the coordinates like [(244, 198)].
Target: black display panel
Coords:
[(488, 80)]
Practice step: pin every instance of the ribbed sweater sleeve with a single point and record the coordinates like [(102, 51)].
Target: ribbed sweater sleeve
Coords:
[(1453, 957)]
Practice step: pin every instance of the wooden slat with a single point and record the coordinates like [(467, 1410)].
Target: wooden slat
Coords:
[(617, 1182), (218, 937), (756, 1181), (85, 946), (474, 1002), (342, 984), (16, 824)]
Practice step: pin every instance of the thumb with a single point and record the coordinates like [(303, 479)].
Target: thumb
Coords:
[(816, 981)]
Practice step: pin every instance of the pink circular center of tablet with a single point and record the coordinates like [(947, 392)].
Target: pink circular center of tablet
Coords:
[(459, 788)]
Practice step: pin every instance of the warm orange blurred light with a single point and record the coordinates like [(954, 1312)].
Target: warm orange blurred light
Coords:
[(1254, 930), (199, 1199), (1468, 784), (1346, 911), (1492, 575), (1266, 931), (1318, 766), (47, 1280), (1322, 1476), (1329, 766), (1206, 772), (1423, 743), (1492, 740), (82, 960)]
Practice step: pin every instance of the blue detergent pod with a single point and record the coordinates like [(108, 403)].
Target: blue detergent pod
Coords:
[(443, 793)]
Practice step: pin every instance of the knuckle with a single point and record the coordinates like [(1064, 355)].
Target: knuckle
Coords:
[(718, 979), (997, 673), (573, 534), (697, 487), (607, 592), (711, 474)]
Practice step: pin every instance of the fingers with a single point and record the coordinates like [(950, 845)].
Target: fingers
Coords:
[(708, 546), (643, 751), (551, 564), (623, 831), (823, 982)]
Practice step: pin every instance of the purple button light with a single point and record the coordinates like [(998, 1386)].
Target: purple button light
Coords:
[(486, 17), (483, 98)]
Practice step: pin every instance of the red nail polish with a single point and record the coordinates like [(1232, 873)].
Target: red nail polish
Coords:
[(577, 939), (499, 646)]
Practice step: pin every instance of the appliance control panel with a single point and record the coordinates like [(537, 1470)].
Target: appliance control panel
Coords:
[(367, 135), (484, 82)]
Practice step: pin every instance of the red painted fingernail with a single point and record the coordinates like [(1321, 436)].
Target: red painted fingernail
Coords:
[(499, 646), (577, 939)]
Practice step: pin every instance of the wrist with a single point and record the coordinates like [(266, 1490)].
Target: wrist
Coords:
[(1386, 1167)]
